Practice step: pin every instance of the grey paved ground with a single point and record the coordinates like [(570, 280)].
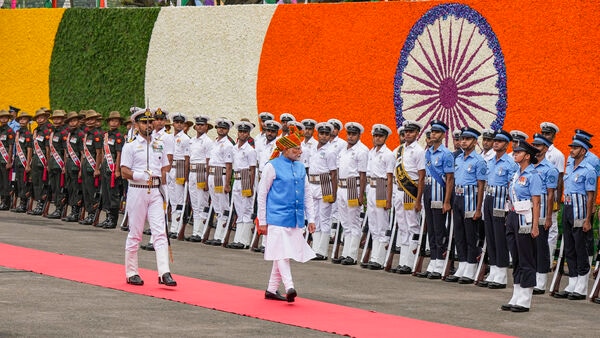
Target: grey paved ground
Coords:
[(36, 305)]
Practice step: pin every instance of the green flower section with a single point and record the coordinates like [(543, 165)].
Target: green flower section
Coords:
[(99, 59)]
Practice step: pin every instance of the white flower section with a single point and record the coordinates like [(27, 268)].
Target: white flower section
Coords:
[(451, 76), (204, 60)]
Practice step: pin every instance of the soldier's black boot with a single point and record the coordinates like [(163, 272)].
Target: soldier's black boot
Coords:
[(57, 212), (106, 221), (38, 209), (21, 208), (114, 218), (4, 203), (74, 216)]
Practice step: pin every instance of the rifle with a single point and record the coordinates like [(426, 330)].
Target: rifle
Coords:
[(450, 246), (418, 263), (208, 223), (389, 257), (97, 207), (595, 289), (559, 270), (180, 223), (46, 197), (336, 241), (482, 266), (366, 254), (13, 194), (231, 219), (64, 201), (125, 221)]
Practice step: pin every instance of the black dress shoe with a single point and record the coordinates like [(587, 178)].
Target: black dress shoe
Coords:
[(338, 260), (506, 307), (451, 279), (135, 280), (519, 308), (423, 274), (291, 295), (125, 228), (172, 235), (434, 275), (576, 296), (496, 286), (596, 300), (194, 238), (216, 242), (55, 215), (167, 280), (483, 283), (147, 247), (274, 296), (236, 246), (147, 232), (209, 242), (319, 257), (404, 270), (537, 291), (561, 294), (364, 265), (465, 280), (349, 261), (259, 249), (375, 266)]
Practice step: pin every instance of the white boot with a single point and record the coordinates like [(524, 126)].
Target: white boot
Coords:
[(431, 267), (571, 286), (524, 297), (324, 244), (403, 260), (515, 295), (540, 280), (470, 270), (380, 254), (131, 263), (220, 230), (462, 266), (581, 286), (490, 276), (162, 260), (376, 256), (198, 227), (501, 275)]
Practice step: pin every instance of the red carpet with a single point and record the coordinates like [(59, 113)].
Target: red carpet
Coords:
[(247, 302)]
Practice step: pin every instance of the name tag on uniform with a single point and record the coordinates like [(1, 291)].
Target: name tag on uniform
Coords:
[(21, 139), (111, 141), (88, 142), (3, 137), (73, 140), (40, 138), (55, 139)]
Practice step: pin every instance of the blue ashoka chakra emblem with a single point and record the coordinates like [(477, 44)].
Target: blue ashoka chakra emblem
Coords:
[(451, 68)]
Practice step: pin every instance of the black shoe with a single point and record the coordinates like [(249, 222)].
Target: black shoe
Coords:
[(135, 280), (319, 257), (172, 235), (519, 308), (404, 270), (434, 275), (194, 238), (104, 223), (483, 283), (596, 300), (88, 220), (291, 295), (451, 279), (147, 232), (112, 224), (561, 294), (56, 214), (147, 247), (235, 246), (576, 296), (73, 216), (465, 280), (375, 266), (216, 242), (338, 260), (349, 261), (537, 291), (496, 286), (125, 228), (209, 242), (506, 307), (259, 249), (4, 207), (274, 296), (167, 280), (20, 209), (364, 265), (424, 274)]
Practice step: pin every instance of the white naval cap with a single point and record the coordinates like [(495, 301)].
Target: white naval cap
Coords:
[(298, 125), (160, 113), (456, 134), (223, 122), (272, 125), (354, 127), (309, 123), (337, 124), (380, 129), (244, 126), (201, 119), (287, 117), (400, 130), (178, 117), (412, 125), (518, 135), (549, 127), (324, 127), (142, 114), (264, 116)]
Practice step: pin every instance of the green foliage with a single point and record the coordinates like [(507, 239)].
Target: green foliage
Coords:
[(99, 59)]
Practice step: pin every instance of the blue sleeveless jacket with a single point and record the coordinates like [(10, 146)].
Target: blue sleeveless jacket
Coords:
[(285, 200)]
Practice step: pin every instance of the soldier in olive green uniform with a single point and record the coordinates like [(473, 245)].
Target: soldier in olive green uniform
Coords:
[(7, 139), (56, 162), (90, 167), (111, 170), (73, 147), (39, 159), (22, 160)]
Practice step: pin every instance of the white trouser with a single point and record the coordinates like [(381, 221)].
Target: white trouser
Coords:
[(379, 218), (198, 201), (553, 236), (377, 252), (142, 206), (349, 216), (220, 203), (243, 205), (351, 244), (322, 210), (581, 285), (407, 221), (243, 233), (176, 196), (540, 280), (281, 271)]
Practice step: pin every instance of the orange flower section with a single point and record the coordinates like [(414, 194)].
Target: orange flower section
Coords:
[(26, 45), (324, 61)]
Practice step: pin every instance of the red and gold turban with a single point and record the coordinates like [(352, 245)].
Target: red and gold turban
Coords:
[(294, 139)]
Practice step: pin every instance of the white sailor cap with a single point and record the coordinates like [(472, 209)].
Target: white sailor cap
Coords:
[(264, 116), (142, 114), (178, 117), (354, 127), (223, 122), (134, 109), (380, 129), (488, 134), (244, 126), (412, 125), (287, 117), (518, 135), (427, 132), (201, 119), (272, 125), (400, 130), (324, 127), (549, 127), (298, 125), (337, 124), (309, 123)]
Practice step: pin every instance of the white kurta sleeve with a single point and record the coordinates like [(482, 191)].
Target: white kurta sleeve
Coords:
[(266, 180)]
